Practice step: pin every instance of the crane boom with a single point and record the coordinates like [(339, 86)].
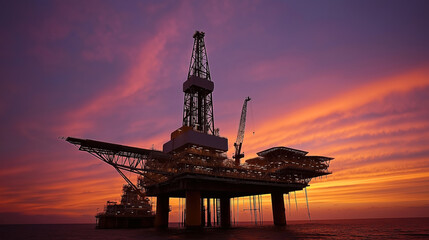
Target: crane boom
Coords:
[(240, 135)]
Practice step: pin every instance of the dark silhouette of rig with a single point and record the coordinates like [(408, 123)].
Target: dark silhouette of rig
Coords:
[(194, 165)]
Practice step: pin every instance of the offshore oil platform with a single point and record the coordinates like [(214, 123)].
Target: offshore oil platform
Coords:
[(193, 163)]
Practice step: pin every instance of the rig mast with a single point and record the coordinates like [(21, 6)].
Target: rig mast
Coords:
[(198, 105)]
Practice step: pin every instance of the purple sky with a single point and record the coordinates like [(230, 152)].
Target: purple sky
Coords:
[(113, 71)]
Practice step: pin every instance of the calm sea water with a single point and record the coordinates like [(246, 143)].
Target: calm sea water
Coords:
[(405, 228)]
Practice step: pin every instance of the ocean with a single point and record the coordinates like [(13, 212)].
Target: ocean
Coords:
[(401, 228)]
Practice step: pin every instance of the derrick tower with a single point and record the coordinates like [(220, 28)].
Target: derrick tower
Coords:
[(198, 88), (198, 119)]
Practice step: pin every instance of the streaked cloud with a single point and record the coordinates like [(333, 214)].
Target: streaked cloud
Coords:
[(325, 81)]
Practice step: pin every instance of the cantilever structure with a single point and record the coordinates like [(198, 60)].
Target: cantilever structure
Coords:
[(194, 165)]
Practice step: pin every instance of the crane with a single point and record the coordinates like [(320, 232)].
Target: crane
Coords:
[(240, 136)]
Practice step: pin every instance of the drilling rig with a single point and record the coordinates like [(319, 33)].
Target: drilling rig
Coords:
[(240, 135), (193, 164)]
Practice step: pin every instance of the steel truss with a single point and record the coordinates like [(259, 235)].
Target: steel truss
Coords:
[(198, 102), (124, 158)]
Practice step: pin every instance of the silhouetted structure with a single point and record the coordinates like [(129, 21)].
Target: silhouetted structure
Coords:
[(134, 211), (198, 88), (240, 135), (194, 165)]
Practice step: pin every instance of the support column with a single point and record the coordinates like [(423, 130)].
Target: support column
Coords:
[(278, 205), (203, 213), (162, 209), (225, 212), (209, 220), (193, 209)]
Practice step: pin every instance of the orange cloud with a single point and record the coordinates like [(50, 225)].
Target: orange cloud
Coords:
[(275, 130), (378, 140)]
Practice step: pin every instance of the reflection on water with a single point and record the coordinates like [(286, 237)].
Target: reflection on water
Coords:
[(411, 228)]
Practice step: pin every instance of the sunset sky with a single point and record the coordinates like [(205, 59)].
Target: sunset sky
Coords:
[(344, 79)]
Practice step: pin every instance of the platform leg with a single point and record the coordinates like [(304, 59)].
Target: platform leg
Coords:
[(278, 205), (162, 209), (193, 209), (225, 212), (209, 220), (203, 213)]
